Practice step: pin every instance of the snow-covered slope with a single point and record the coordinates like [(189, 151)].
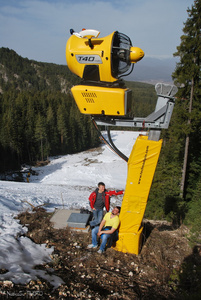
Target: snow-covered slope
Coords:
[(65, 183)]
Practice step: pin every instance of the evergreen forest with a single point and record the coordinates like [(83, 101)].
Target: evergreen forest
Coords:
[(39, 118)]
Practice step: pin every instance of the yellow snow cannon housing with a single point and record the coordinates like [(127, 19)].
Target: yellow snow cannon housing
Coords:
[(97, 100), (99, 62)]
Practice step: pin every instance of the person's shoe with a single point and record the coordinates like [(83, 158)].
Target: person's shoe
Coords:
[(100, 251), (92, 246)]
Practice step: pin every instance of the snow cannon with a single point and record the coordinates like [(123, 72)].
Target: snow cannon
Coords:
[(101, 62)]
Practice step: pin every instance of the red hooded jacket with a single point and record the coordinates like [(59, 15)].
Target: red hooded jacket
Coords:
[(106, 197)]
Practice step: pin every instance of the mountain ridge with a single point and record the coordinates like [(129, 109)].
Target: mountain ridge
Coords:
[(148, 70), (152, 70), (24, 74)]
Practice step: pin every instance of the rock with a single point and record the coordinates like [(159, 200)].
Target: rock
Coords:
[(8, 283)]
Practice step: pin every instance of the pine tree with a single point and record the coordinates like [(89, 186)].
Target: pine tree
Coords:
[(40, 133), (193, 216), (187, 76)]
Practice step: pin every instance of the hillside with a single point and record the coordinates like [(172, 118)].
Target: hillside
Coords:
[(165, 269), (24, 74), (38, 115)]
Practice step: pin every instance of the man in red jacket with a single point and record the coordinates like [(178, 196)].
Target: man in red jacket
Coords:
[(99, 199)]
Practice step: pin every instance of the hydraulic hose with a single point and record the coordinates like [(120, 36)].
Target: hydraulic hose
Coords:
[(111, 144)]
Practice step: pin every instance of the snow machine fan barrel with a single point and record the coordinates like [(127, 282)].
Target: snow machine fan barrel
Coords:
[(123, 54)]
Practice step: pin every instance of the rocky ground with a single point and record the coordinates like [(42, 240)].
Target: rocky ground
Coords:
[(167, 268)]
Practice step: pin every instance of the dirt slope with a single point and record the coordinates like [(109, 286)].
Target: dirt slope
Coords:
[(167, 268)]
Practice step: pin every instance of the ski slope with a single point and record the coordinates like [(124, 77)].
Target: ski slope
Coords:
[(65, 182)]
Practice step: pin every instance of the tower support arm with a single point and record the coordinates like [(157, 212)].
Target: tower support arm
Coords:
[(157, 120)]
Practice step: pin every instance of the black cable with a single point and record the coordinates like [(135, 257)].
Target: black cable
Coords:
[(114, 147), (111, 146)]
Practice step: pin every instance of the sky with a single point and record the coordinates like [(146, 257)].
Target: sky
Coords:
[(39, 29)]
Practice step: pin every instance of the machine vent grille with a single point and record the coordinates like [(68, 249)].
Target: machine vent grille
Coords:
[(89, 100), (89, 97)]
